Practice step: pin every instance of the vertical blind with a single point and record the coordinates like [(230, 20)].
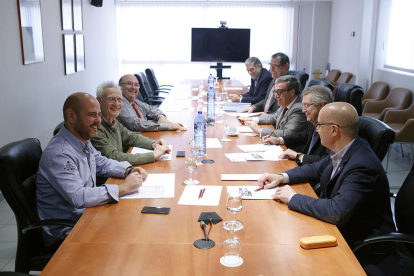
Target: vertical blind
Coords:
[(399, 48), (158, 35)]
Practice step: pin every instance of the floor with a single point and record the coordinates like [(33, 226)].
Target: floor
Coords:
[(398, 169)]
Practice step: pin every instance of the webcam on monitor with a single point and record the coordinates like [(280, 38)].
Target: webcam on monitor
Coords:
[(223, 25)]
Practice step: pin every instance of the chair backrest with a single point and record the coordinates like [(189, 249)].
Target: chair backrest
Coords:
[(378, 91), (57, 128), (378, 135), (19, 162), (350, 93), (321, 82), (152, 79), (399, 97), (352, 80), (143, 86), (333, 75), (301, 76), (344, 78)]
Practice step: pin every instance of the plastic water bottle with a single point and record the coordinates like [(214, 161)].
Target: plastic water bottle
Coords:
[(200, 133), (210, 82), (211, 102)]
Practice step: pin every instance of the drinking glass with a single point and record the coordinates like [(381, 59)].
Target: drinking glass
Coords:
[(220, 115), (224, 94), (190, 166), (231, 250), (196, 151), (216, 84), (234, 205)]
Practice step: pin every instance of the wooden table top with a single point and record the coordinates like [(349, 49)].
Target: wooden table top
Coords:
[(116, 239)]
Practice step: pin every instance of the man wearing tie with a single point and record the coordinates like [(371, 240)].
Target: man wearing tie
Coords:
[(305, 147), (289, 118), (261, 79), (138, 116)]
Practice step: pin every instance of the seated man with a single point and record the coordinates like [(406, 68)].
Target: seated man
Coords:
[(355, 190), (66, 179), (138, 116), (286, 120), (261, 79), (307, 141), (112, 135)]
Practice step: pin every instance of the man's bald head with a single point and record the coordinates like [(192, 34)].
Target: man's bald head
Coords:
[(75, 102), (344, 115)]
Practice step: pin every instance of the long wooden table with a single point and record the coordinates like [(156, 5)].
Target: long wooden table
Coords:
[(116, 239)]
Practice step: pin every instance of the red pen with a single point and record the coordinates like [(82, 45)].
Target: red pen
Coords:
[(261, 188), (201, 194), (268, 136)]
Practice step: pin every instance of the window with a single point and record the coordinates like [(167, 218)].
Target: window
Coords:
[(158, 35)]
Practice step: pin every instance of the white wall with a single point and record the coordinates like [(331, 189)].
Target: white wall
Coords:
[(32, 96), (305, 38)]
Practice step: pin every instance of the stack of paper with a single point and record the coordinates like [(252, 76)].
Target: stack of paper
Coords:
[(159, 185), (164, 157)]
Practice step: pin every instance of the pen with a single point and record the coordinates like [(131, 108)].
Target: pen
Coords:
[(201, 194), (261, 188), (190, 141), (268, 136)]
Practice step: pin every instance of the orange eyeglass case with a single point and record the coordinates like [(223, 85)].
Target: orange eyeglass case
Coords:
[(318, 242)]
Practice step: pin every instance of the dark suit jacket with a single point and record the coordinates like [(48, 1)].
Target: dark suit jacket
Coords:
[(256, 94), (356, 199), (300, 142)]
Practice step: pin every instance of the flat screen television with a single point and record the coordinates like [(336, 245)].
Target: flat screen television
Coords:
[(220, 45)]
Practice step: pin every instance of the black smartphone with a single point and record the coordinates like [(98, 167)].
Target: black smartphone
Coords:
[(181, 153), (156, 210)]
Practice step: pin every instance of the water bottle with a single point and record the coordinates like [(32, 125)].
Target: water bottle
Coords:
[(200, 133), (211, 101), (210, 82)]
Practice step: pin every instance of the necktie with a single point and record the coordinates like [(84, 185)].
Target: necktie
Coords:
[(88, 156), (315, 137), (136, 109), (281, 118), (269, 99)]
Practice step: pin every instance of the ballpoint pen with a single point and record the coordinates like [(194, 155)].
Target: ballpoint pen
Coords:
[(268, 136), (201, 194), (261, 188)]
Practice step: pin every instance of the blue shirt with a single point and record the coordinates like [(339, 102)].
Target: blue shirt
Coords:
[(66, 181)]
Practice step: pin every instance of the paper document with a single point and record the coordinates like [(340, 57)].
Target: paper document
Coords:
[(164, 157), (259, 147), (211, 196), (244, 177), (180, 109), (235, 106), (236, 157), (213, 143), (158, 185), (244, 114), (252, 134), (186, 97), (271, 155), (244, 129), (249, 192), (234, 88)]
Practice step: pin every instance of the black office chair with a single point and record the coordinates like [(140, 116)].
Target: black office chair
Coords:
[(19, 162), (301, 76), (153, 81), (404, 237), (351, 94), (320, 82), (146, 92), (58, 127)]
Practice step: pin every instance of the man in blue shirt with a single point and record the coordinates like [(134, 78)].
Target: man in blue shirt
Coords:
[(66, 179)]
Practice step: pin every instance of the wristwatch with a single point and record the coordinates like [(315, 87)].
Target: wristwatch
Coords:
[(297, 159), (130, 169)]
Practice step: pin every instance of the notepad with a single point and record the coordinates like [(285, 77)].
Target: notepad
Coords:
[(158, 185), (249, 192), (211, 195)]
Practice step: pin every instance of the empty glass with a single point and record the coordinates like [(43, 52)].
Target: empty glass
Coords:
[(231, 250), (234, 205), (224, 94), (190, 166)]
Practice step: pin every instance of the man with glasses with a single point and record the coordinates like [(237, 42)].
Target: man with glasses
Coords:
[(305, 147), (354, 187), (113, 136), (261, 79), (138, 116), (279, 66), (289, 118)]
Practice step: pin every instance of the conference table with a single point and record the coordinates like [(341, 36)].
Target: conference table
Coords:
[(117, 239)]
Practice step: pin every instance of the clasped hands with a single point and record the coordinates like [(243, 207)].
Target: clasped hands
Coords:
[(268, 181)]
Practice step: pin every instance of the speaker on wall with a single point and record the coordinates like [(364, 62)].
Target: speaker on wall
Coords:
[(96, 3)]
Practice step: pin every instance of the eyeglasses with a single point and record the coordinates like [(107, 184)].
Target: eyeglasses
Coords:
[(130, 83), (306, 106), (279, 92), (274, 66), (317, 126), (113, 100)]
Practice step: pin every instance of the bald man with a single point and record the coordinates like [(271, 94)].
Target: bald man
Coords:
[(138, 116), (66, 179), (355, 190)]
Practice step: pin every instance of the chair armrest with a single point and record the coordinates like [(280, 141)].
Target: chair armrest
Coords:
[(49, 222), (155, 98), (397, 116), (393, 237), (153, 102), (166, 85), (161, 91), (406, 134), (374, 106)]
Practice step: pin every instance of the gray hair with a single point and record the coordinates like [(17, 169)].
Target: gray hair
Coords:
[(101, 88), (319, 94), (253, 60), (283, 58), (291, 82)]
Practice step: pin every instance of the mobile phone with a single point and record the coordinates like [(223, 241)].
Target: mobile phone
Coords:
[(156, 210), (181, 153)]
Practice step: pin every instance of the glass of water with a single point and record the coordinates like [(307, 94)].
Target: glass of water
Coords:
[(224, 94), (234, 205), (190, 166), (196, 151)]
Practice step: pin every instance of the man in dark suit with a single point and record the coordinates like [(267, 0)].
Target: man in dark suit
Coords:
[(305, 147), (355, 189), (261, 79)]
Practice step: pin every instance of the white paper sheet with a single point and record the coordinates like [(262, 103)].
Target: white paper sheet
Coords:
[(235, 157), (240, 177), (235, 114), (244, 129), (262, 194), (164, 157), (259, 148), (252, 134), (186, 97), (213, 143), (234, 88), (211, 195), (271, 155), (158, 185), (180, 109)]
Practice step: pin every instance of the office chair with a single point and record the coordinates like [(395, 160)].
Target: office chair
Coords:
[(153, 81), (351, 94), (321, 82), (378, 91), (146, 92), (301, 76), (332, 76), (19, 162)]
